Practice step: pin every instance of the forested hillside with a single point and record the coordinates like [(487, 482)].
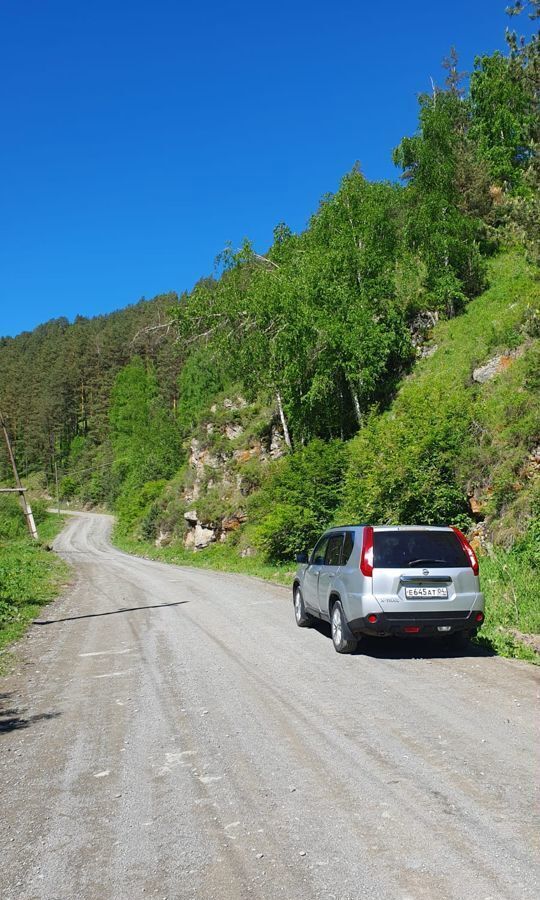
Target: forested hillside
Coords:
[(382, 365)]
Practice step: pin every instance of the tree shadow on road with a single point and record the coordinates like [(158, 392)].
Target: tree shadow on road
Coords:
[(12, 719), (409, 648), (111, 612)]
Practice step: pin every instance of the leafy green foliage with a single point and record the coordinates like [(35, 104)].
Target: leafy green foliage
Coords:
[(12, 521), (416, 462), (298, 499), (199, 381), (144, 438)]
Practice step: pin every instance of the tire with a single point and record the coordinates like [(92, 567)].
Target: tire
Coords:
[(342, 637), (303, 620)]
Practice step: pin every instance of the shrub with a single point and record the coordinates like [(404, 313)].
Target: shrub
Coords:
[(298, 499)]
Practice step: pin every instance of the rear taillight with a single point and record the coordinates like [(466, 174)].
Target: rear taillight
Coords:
[(366, 555), (468, 549), (479, 617), (372, 618)]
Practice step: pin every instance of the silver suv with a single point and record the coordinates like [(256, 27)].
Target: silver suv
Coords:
[(390, 580)]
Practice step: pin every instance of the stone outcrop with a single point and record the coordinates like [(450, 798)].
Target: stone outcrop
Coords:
[(215, 479), (495, 365), (420, 328), (201, 534)]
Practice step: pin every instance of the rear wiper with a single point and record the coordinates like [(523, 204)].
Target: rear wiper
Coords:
[(418, 562)]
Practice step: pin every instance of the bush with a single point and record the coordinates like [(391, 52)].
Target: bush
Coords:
[(135, 503), (298, 499), (12, 524), (446, 434)]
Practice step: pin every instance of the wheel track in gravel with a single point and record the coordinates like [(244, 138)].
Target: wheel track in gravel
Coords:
[(203, 747)]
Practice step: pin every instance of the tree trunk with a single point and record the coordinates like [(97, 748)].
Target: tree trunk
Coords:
[(284, 425), (356, 403)]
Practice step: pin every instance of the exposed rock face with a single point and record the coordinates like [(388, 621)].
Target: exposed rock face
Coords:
[(198, 535), (478, 538), (532, 464), (232, 523), (277, 443), (495, 365), (478, 499), (420, 329), (216, 468), (203, 536), (200, 457), (232, 405), (426, 350)]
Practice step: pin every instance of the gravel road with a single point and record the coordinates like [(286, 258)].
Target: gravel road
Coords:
[(169, 732)]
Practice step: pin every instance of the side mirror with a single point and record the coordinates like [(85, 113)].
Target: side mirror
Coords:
[(302, 557)]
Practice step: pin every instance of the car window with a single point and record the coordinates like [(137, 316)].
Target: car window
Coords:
[(435, 549), (348, 545), (333, 551), (320, 550)]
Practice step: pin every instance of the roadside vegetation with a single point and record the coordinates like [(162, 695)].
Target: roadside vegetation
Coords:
[(30, 575), (383, 365)]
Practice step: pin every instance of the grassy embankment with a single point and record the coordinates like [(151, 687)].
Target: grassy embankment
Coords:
[(30, 575), (491, 428), (218, 557)]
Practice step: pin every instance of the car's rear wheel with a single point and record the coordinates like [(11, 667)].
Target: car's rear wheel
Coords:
[(342, 637), (303, 620)]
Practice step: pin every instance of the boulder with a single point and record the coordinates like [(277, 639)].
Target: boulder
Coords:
[(495, 365), (202, 536), (163, 539)]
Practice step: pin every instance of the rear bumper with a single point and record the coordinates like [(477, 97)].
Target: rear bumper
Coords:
[(428, 623)]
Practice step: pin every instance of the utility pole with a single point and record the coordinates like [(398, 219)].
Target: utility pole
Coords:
[(56, 483), (27, 509)]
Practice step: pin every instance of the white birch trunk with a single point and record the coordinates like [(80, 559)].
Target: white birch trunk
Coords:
[(284, 425), (356, 403)]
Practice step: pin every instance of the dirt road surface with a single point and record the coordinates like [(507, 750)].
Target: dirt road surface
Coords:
[(169, 732)]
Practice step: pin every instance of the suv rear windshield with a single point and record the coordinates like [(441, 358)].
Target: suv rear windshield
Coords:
[(408, 549)]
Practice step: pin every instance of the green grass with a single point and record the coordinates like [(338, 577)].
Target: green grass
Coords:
[(218, 557), (511, 585), (30, 577)]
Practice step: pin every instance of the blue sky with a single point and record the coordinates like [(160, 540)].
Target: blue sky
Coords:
[(139, 137)]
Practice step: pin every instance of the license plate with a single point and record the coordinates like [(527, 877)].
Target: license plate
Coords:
[(426, 592)]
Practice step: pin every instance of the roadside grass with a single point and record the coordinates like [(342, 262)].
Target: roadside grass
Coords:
[(30, 577), (512, 609), (217, 557), (511, 587)]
